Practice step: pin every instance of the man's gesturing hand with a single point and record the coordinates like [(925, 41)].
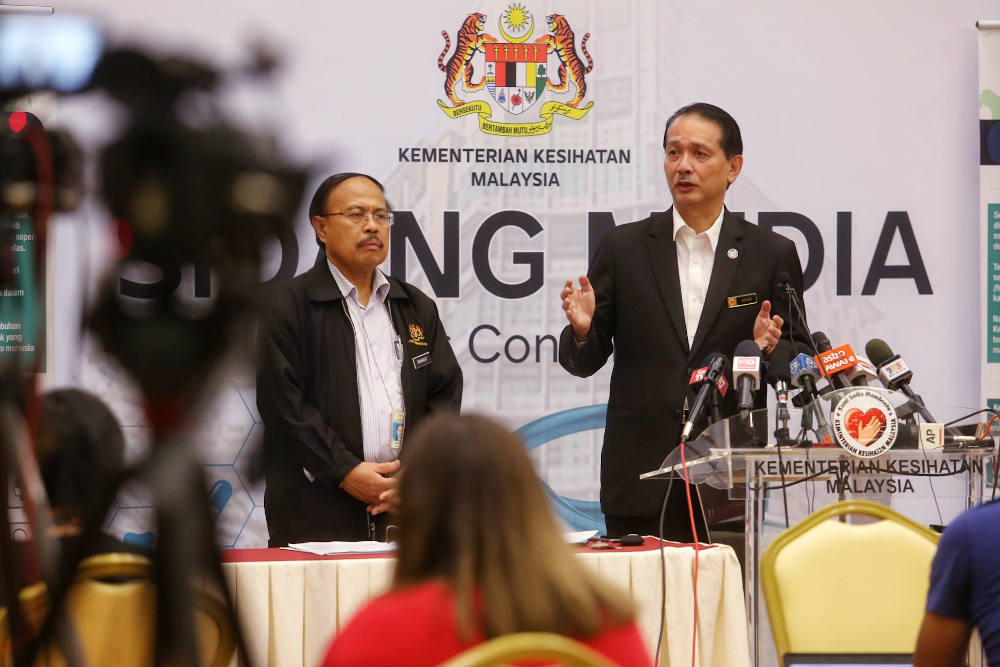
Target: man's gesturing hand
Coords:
[(579, 305), (366, 482), (767, 329)]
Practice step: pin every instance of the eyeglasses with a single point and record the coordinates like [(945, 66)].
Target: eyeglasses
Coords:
[(358, 218)]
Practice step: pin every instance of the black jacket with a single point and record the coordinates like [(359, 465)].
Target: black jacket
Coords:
[(307, 395), (639, 316)]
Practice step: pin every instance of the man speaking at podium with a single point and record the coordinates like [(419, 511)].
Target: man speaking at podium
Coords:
[(662, 293)]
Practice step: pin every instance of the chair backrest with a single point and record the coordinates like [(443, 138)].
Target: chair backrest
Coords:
[(35, 606), (114, 566), (833, 587), (508, 649), (112, 606)]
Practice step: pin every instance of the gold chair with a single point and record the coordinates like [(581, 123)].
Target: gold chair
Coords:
[(34, 604), (833, 587), (112, 606), (114, 566), (503, 651)]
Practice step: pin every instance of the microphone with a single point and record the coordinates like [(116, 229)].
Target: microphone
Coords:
[(783, 289), (836, 361), (862, 373), (796, 311), (805, 371), (777, 367), (910, 437), (746, 373), (783, 283), (894, 373), (711, 378)]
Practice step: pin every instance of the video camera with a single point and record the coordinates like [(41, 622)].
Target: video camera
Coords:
[(181, 192), (184, 187)]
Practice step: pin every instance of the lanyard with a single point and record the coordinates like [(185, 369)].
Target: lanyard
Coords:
[(373, 355)]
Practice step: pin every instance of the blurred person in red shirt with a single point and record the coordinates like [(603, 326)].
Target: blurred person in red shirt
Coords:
[(480, 556)]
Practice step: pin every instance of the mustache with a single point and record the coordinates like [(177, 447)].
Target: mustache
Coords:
[(371, 237)]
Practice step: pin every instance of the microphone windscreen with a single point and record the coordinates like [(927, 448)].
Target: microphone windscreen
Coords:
[(878, 351), (720, 359), (781, 283), (747, 348), (821, 341), (802, 348), (778, 366)]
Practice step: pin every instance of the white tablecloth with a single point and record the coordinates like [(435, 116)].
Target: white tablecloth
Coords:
[(291, 608)]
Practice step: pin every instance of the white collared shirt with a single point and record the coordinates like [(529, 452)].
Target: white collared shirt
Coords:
[(695, 260), (378, 355)]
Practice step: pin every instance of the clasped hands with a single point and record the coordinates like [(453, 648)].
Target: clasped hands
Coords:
[(370, 483)]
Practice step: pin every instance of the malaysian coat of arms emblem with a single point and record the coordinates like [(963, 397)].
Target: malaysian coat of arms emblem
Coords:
[(515, 71)]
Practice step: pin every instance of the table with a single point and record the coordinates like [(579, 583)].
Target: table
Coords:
[(291, 604)]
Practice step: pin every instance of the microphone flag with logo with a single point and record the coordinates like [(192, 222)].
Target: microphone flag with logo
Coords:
[(714, 379)]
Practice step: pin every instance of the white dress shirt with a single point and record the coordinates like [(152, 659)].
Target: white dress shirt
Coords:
[(695, 259), (378, 355)]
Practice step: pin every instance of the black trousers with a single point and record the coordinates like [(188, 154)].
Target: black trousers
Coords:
[(676, 520)]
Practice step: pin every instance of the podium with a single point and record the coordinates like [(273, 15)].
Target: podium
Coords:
[(782, 485)]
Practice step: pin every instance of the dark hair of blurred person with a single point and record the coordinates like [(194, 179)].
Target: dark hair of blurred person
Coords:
[(481, 555), (79, 448)]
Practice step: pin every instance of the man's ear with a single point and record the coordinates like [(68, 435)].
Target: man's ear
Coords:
[(319, 226), (735, 166)]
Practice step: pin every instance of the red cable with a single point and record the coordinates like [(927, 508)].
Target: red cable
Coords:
[(35, 138), (694, 532)]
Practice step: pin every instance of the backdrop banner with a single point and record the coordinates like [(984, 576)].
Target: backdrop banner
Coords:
[(510, 135), (989, 207)]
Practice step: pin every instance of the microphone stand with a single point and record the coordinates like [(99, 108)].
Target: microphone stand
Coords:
[(795, 304), (714, 406), (782, 417), (806, 419)]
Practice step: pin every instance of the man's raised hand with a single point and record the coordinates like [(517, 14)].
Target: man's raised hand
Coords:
[(767, 328), (579, 305)]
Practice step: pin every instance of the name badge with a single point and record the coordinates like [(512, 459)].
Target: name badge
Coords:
[(421, 360), (742, 300)]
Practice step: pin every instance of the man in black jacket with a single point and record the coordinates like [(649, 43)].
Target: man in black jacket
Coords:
[(349, 359), (662, 293)]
